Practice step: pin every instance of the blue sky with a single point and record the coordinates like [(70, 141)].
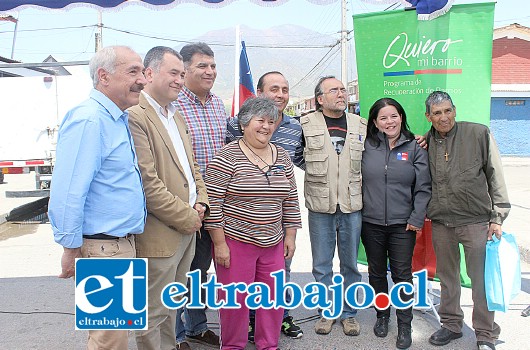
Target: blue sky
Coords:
[(38, 34)]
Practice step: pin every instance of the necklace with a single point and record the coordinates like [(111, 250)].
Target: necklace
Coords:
[(256, 156)]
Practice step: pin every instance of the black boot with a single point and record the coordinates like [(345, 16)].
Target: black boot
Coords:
[(404, 338), (251, 328), (381, 327)]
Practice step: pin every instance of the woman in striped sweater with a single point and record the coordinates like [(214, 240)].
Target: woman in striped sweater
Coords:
[(254, 215)]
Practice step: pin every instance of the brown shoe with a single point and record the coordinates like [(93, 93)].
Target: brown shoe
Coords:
[(324, 325), (183, 346), (350, 326), (207, 338)]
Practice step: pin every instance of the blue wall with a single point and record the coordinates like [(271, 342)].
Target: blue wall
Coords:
[(510, 126)]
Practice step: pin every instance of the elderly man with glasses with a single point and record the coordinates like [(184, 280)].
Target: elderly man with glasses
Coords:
[(334, 141)]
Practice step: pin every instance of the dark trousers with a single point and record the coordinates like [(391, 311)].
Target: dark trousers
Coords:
[(394, 245), (195, 319), (203, 254)]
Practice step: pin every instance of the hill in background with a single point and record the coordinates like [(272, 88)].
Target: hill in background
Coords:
[(289, 49)]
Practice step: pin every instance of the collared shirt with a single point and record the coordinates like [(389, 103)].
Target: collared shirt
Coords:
[(288, 135), (96, 183), (206, 122), (167, 117)]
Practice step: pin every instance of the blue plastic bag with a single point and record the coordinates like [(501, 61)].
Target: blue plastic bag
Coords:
[(502, 274)]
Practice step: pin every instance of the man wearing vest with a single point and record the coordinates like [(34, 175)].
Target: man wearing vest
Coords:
[(334, 141)]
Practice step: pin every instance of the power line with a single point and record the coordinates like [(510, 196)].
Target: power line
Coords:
[(330, 59), (89, 41), (317, 74), (329, 16), (393, 6), (160, 37), (300, 46), (48, 29), (218, 43), (315, 66), (512, 19)]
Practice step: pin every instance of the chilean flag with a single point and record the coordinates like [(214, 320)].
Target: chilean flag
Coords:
[(402, 156), (246, 85)]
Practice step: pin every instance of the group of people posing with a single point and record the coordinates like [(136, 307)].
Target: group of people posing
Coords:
[(151, 166)]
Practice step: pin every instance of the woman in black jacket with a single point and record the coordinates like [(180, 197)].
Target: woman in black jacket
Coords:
[(396, 191)]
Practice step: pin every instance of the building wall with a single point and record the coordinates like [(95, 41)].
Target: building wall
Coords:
[(510, 114), (510, 124), (511, 61)]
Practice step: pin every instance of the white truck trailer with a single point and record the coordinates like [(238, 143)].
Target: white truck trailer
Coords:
[(32, 109)]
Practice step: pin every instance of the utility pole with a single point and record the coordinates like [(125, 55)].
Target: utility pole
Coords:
[(236, 70), (14, 40), (99, 33), (343, 46)]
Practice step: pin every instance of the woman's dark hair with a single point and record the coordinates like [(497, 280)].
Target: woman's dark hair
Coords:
[(372, 129)]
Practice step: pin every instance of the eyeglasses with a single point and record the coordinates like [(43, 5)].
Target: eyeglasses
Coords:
[(335, 91)]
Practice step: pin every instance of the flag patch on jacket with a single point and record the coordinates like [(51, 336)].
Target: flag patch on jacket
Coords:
[(403, 156)]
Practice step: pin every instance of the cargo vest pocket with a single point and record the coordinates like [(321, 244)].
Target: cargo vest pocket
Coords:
[(356, 201), (316, 167), (314, 139), (317, 197), (356, 152)]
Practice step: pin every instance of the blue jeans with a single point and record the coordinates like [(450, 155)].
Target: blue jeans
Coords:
[(327, 231), (195, 321)]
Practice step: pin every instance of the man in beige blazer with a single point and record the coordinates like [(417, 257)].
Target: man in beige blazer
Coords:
[(175, 192)]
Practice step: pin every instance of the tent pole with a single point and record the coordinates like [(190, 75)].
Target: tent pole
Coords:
[(236, 70), (343, 45), (14, 40)]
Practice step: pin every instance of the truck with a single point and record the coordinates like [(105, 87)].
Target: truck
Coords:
[(32, 110)]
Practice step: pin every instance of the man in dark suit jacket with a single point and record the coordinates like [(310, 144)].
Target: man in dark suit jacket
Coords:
[(175, 192)]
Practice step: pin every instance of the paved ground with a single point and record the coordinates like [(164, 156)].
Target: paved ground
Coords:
[(36, 308)]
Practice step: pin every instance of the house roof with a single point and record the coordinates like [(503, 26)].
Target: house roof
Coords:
[(30, 71), (511, 31), (511, 56), (58, 70)]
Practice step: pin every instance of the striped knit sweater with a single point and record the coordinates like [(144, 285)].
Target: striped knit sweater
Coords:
[(250, 205)]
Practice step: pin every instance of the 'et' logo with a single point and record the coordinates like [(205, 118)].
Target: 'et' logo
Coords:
[(111, 294)]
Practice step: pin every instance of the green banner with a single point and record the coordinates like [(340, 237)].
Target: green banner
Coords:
[(406, 59)]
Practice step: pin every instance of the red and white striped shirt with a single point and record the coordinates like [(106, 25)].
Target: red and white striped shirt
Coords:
[(250, 205)]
